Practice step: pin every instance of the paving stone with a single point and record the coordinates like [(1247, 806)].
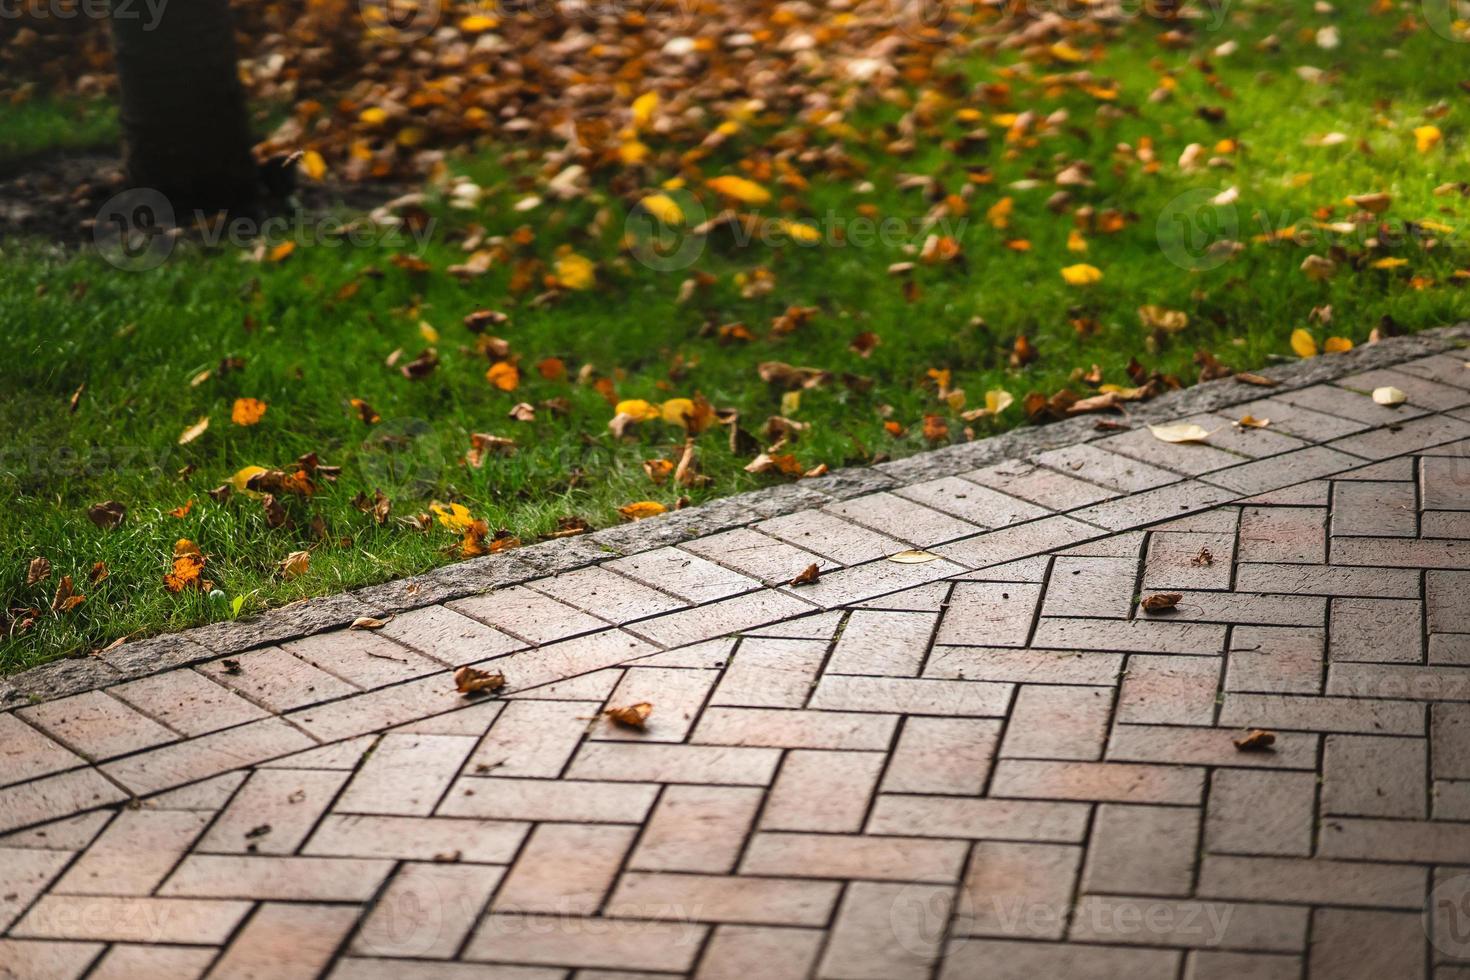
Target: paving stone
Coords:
[(1393, 583), (546, 799), (1254, 812), (1410, 681), (607, 595), (1057, 722), (929, 597), (1377, 630), (736, 952), (1127, 544), (125, 961), (406, 775), (886, 932), (1406, 437), (1444, 483), (770, 673), (286, 941), (1152, 506), (697, 828), (1326, 714), (1038, 485), (889, 644), (1189, 923), (1012, 960), (134, 854), (1399, 470), (713, 764), (684, 575), (447, 636), (1449, 735), (626, 944), (131, 919), (822, 791), (1312, 493), (806, 855), (27, 753), (1023, 666), (1293, 467), (1283, 534), (1190, 459), (754, 554), (1317, 882), (1422, 391), (92, 724), (279, 878), (1137, 636), (187, 702), (1373, 776), (209, 755), (1101, 587), (1169, 690), (1096, 465), (913, 696), (907, 520), (1017, 890), (942, 755), (797, 729), (975, 504), (1245, 607), (527, 614), (363, 658), (1031, 569), (25, 874), (1020, 541), (1142, 850), (990, 819), (719, 618), (1374, 509), (1332, 400), (723, 898), (1304, 423), (1275, 659), (1445, 524), (989, 614), (832, 537), (865, 582), (1188, 560), (273, 679), (1354, 944), (1101, 781), (565, 869), (427, 910)]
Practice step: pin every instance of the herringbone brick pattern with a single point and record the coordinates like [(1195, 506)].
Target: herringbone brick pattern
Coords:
[(991, 764)]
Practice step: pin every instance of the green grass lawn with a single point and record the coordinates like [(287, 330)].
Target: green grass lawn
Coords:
[(136, 340)]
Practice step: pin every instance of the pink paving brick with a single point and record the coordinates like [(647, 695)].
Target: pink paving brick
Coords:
[(887, 931), (736, 952), (1289, 879), (1169, 690), (406, 775), (907, 520), (916, 696), (989, 614), (134, 854), (720, 618), (448, 636), (124, 961), (754, 554), (1377, 630), (684, 575), (1355, 944), (533, 738), (994, 819), (1265, 659), (676, 693), (427, 910), (527, 614), (831, 536), (723, 898), (1024, 666), (770, 673), (416, 838), (1017, 890), (1189, 924), (364, 658), (1101, 781), (209, 755), (26, 752), (273, 812), (187, 702), (1142, 850), (545, 799), (285, 942), (1012, 960), (1188, 560), (697, 828), (312, 879), (607, 595), (93, 724), (1058, 722), (565, 869), (24, 874), (798, 729), (977, 505), (1283, 534), (1020, 541), (1043, 487), (825, 791), (883, 643), (942, 755), (1261, 812), (1373, 776), (147, 920), (622, 944), (811, 855), (274, 679)]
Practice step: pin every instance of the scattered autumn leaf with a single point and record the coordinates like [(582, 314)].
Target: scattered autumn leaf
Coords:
[(632, 716), (106, 515), (294, 565), (639, 510), (912, 557), (194, 431), (368, 623), (1081, 274), (39, 570), (1181, 432), (1161, 602), (807, 576), (247, 411), (1256, 740), (472, 680), (1388, 395)]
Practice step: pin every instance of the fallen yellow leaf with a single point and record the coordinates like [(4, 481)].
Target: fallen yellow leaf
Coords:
[(1081, 274)]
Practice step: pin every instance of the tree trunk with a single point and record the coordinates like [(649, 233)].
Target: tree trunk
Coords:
[(185, 129)]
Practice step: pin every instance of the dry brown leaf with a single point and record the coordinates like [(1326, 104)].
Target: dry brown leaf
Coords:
[(294, 565), (472, 680), (912, 557), (194, 431), (1256, 740), (1181, 432), (632, 716), (1251, 422), (639, 510), (1259, 380), (107, 515), (1205, 557), (39, 570), (369, 623), (807, 576), (1161, 602)]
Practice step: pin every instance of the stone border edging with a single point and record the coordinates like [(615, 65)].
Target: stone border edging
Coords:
[(479, 575)]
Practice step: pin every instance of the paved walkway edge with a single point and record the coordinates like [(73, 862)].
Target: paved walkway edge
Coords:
[(462, 579)]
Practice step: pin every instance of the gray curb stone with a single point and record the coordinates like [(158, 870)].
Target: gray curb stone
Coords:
[(553, 557)]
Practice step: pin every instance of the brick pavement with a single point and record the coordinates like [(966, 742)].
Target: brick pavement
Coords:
[(992, 764)]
